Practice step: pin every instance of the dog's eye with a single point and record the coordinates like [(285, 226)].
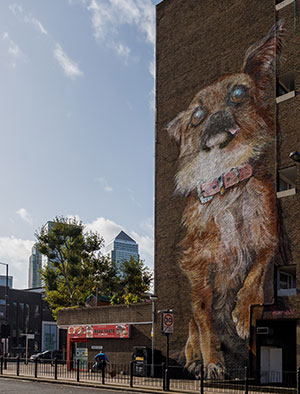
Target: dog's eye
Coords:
[(198, 116), (238, 94)]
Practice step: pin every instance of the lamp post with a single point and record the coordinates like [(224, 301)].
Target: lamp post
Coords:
[(6, 303), (153, 299)]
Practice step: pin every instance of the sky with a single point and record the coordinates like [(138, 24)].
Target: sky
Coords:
[(77, 121)]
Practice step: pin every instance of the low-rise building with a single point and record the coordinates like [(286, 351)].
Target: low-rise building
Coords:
[(116, 329)]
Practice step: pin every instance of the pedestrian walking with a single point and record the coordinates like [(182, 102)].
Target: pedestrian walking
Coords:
[(100, 361)]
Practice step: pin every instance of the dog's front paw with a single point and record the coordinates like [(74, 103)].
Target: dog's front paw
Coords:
[(240, 317), (246, 297), (214, 371)]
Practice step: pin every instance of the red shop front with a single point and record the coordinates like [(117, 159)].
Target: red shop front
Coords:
[(80, 336)]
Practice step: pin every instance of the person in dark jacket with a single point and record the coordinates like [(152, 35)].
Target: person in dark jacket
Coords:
[(100, 361)]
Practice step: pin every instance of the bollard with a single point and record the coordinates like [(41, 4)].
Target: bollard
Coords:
[(201, 379), (5, 360), (18, 365), (246, 381), (35, 367), (55, 368), (1, 365), (131, 373), (298, 381), (77, 372)]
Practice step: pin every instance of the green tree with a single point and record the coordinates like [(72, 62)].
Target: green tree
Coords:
[(75, 264), (134, 281), (76, 268)]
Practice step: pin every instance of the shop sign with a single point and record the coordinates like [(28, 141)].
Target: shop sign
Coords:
[(100, 331)]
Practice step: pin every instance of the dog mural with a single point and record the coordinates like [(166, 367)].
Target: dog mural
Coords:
[(230, 215)]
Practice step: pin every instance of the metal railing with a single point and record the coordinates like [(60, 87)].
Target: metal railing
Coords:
[(137, 374)]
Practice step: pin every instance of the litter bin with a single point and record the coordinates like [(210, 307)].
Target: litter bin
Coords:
[(142, 361)]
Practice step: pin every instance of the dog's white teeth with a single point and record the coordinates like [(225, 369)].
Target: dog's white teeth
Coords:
[(234, 131)]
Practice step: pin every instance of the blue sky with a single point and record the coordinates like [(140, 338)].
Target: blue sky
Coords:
[(77, 120)]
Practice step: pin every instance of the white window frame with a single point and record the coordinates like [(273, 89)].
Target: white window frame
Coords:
[(285, 97), (283, 4), (286, 292)]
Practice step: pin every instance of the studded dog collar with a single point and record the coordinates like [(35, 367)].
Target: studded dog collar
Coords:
[(207, 190)]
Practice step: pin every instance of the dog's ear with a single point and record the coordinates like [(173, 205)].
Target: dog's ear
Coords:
[(260, 57), (174, 128)]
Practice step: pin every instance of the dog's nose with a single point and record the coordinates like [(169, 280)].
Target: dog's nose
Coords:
[(221, 122)]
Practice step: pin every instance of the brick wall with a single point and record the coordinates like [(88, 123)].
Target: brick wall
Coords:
[(197, 42)]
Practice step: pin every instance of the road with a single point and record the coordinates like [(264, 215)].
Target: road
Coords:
[(12, 386)]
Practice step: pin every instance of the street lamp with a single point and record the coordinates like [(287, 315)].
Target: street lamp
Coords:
[(153, 299), (6, 303)]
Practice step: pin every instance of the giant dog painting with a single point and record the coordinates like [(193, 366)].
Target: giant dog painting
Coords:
[(230, 214)]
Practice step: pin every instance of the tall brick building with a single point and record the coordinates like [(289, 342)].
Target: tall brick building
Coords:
[(227, 203)]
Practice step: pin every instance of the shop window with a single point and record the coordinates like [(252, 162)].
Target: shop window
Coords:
[(287, 181), (49, 339), (286, 281), (285, 86)]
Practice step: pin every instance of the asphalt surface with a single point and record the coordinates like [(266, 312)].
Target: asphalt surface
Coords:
[(11, 386)]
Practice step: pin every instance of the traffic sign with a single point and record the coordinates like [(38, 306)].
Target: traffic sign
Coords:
[(167, 322)]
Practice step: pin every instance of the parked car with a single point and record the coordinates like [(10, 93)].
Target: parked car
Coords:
[(48, 356)]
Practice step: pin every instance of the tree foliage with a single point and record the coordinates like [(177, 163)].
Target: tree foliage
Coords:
[(76, 267), (134, 281)]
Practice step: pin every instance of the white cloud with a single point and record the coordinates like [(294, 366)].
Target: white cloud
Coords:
[(15, 252), (101, 16), (104, 183), (15, 8), (109, 17), (147, 226), (12, 48), (121, 50), (35, 22), (22, 212), (70, 68), (105, 227), (152, 100), (109, 229), (147, 21), (146, 247), (152, 70)]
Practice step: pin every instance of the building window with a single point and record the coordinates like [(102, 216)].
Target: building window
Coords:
[(49, 339), (286, 182), (286, 281), (285, 86)]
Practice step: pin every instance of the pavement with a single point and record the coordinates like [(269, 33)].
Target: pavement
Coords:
[(120, 382), (17, 386)]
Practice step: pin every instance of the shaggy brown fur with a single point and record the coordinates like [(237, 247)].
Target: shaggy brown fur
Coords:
[(231, 234)]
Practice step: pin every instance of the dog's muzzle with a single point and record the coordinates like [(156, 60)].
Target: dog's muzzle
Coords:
[(220, 130)]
